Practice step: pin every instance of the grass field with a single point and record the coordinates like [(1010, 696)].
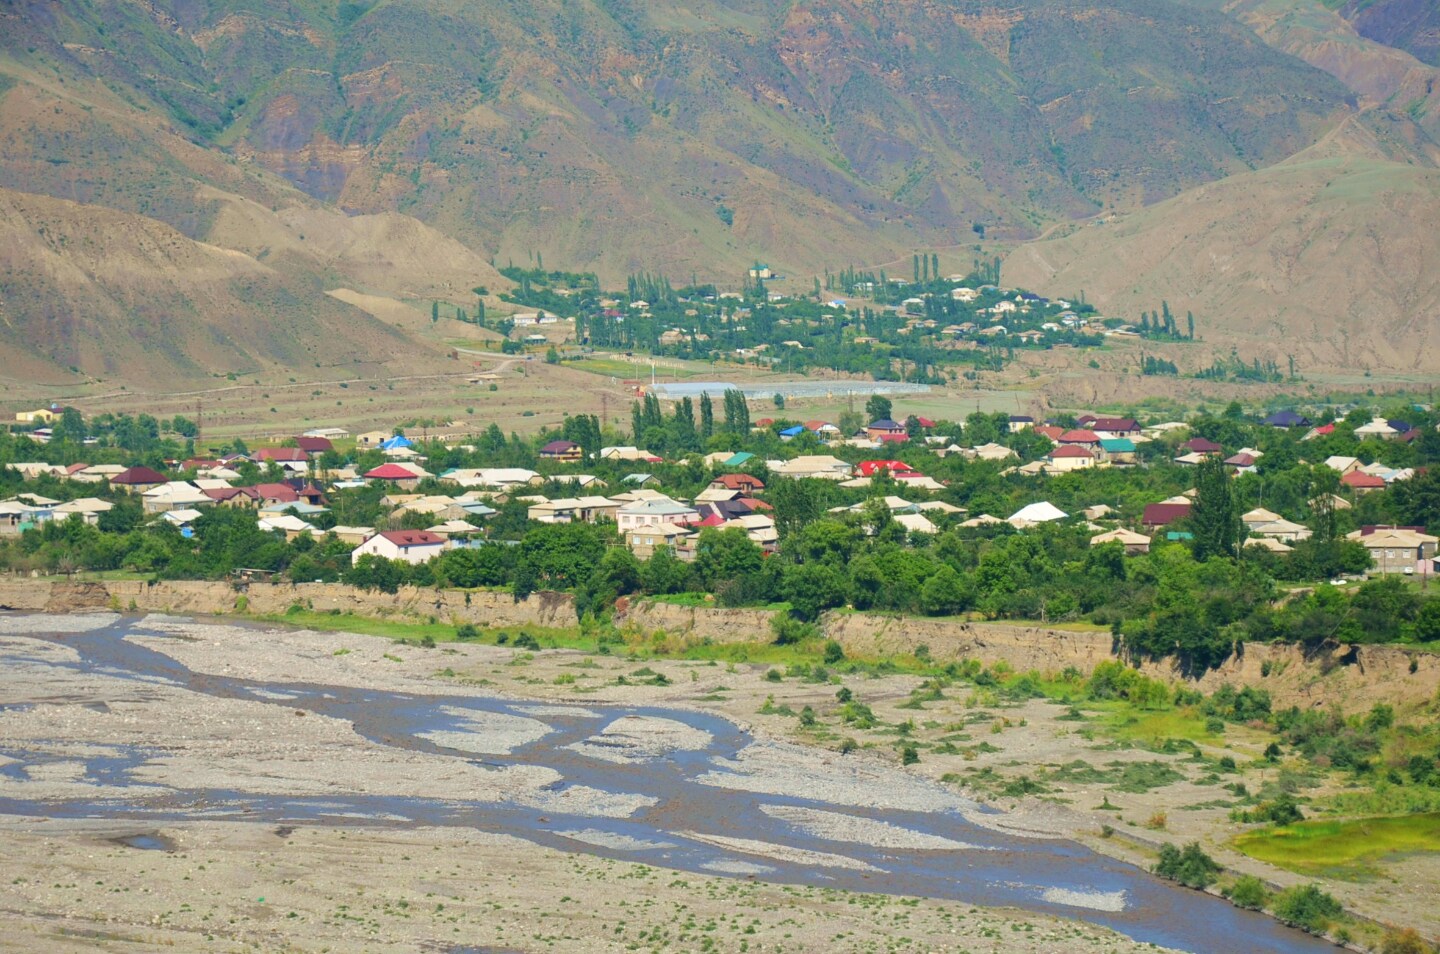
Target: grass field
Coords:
[(1348, 850)]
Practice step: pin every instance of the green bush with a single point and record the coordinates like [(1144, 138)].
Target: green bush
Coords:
[(466, 631), (1307, 907), (1249, 892), (1189, 865), (834, 652), (526, 641)]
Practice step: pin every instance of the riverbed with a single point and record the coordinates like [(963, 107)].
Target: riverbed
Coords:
[(158, 722)]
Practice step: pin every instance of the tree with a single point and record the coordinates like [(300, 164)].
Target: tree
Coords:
[(945, 593), (1215, 518), (552, 356), (434, 312), (879, 407), (1190, 866), (813, 588), (707, 418), (1190, 333), (71, 427)]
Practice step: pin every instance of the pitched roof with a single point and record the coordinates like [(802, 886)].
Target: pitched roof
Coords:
[(559, 447), (390, 472), (1158, 515), (1114, 424), (140, 474), (1287, 419), (869, 468), (1070, 450), (314, 445), (885, 424), (739, 482), (1201, 445), (1079, 436), (1117, 445), (1360, 480)]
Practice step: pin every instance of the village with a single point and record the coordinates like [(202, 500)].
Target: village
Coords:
[(426, 509)]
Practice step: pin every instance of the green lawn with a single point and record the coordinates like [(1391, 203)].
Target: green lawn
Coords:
[(1342, 849)]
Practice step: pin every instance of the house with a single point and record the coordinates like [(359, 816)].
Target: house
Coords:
[(329, 433), (174, 495), (313, 446), (822, 429), (398, 474), (288, 524), (1031, 514), (816, 465), (15, 517), (409, 546), (744, 483), (1362, 483), (653, 513), (1269, 543), (869, 468), (495, 478), (563, 510), (641, 480), (43, 415), (451, 529), (1114, 427), (1201, 445), (1068, 457), (915, 523), (354, 536), (566, 452), (372, 439), (291, 458), (626, 453), (1287, 419), (1396, 549), (792, 432), (1081, 437), (89, 509), (1192, 459), (1379, 427), (579, 480), (1242, 462), (1020, 422), (1117, 450), (884, 428), (993, 451), (1163, 514), (643, 540), (1341, 464), (1281, 529), (1132, 542), (138, 479), (1259, 517)]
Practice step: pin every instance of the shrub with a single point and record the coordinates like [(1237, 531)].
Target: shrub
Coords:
[(834, 652), (773, 675), (1404, 941), (1249, 892), (848, 745), (807, 717), (466, 631), (909, 755), (1189, 865), (527, 641), (1306, 907)]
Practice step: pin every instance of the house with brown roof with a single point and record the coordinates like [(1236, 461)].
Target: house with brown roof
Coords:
[(744, 483), (313, 446), (1396, 549), (566, 452), (1163, 514), (138, 479)]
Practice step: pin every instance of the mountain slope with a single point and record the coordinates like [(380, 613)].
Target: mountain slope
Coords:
[(623, 135), (1329, 257), (124, 298)]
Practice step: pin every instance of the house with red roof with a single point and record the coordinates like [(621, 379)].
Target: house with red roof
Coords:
[(869, 468), (1362, 483), (1051, 432), (924, 422), (397, 474), (1081, 437), (1068, 457), (409, 546)]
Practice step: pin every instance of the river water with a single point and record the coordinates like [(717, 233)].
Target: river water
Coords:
[(707, 807)]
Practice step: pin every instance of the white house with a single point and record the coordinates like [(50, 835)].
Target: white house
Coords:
[(411, 546)]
